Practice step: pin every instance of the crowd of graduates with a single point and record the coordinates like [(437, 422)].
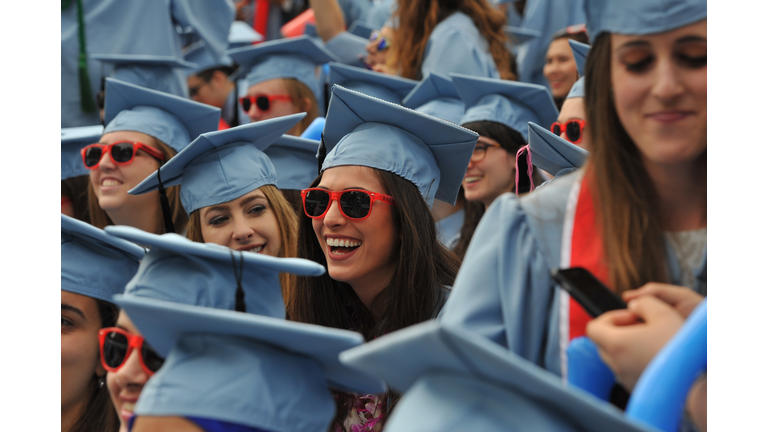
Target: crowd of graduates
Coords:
[(348, 215)]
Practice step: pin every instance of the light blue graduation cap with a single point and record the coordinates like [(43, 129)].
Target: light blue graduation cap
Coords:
[(580, 51), (295, 58), (552, 153), (641, 17), (466, 382), (510, 103), (521, 35), (437, 96), (577, 90), (254, 368), (386, 87), (361, 29), (150, 71), (310, 30), (93, 263), (432, 154), (220, 166), (295, 161), (72, 140), (241, 34), (349, 48), (198, 54), (171, 119)]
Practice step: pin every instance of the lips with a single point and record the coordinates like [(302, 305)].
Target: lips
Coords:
[(670, 116), (341, 248), (126, 411)]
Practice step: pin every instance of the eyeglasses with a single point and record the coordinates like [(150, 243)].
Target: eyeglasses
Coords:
[(194, 90), (353, 203), (480, 148), (115, 346), (574, 130), (261, 101), (382, 42), (121, 153)]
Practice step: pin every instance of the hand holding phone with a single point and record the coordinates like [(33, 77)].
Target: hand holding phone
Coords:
[(587, 290)]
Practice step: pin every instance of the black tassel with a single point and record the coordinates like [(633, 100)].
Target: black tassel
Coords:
[(165, 206), (321, 153), (239, 293)]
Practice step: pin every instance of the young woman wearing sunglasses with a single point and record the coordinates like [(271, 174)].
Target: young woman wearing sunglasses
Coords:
[(94, 267), (140, 136), (129, 361), (571, 122), (367, 220), (636, 213), (282, 79)]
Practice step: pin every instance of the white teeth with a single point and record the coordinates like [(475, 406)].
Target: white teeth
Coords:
[(129, 406), (110, 182), (257, 249), (334, 242)]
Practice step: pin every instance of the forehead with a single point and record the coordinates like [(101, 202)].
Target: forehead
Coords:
[(573, 108), (560, 47), (273, 86), (351, 176), (667, 38), (113, 137), (86, 304)]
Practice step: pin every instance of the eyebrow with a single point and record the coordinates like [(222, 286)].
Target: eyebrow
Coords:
[(73, 309), (635, 43), (689, 39), (215, 208), (349, 188), (246, 201)]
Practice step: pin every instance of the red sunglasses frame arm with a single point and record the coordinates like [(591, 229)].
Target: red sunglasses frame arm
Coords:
[(134, 343), (336, 196), (270, 98), (155, 153)]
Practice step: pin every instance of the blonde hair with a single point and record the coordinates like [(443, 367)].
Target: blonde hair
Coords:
[(299, 92), (287, 225), (100, 218)]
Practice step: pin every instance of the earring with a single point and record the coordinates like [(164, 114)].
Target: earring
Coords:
[(102, 380)]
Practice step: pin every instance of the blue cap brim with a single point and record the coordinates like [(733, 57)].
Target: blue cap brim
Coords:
[(359, 28), (301, 45), (403, 357), (376, 84), (162, 323), (242, 33), (552, 153), (79, 228), (433, 86), (521, 35), (143, 60), (580, 51)]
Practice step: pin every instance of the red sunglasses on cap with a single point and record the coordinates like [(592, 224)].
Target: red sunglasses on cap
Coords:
[(354, 203), (115, 346), (121, 153)]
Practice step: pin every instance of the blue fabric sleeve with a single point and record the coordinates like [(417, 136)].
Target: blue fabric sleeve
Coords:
[(354, 10), (452, 50)]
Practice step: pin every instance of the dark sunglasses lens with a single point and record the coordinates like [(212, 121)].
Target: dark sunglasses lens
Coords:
[(572, 131), (262, 102), (382, 45), (122, 152), (152, 360), (246, 104), (316, 202), (355, 204), (556, 129), (92, 156), (115, 348)]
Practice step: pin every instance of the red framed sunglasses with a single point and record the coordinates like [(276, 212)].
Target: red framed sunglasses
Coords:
[(354, 203), (121, 153), (115, 346), (574, 130), (263, 102)]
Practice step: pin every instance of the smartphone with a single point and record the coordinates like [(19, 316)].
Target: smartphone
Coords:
[(587, 290)]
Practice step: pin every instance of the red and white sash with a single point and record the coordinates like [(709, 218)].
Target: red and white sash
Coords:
[(582, 246)]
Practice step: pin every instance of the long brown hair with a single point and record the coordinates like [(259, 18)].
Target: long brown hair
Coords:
[(286, 224), (99, 414), (418, 18), (413, 295), (76, 189), (627, 202), (298, 92), (100, 218)]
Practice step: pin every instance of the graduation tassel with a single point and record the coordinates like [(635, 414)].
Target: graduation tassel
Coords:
[(321, 153), (165, 206), (524, 184), (239, 293)]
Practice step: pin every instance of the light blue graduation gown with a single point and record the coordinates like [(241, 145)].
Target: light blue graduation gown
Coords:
[(456, 45), (133, 27), (546, 16), (504, 291), (449, 229)]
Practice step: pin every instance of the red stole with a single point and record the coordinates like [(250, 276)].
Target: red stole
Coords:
[(223, 124), (260, 18)]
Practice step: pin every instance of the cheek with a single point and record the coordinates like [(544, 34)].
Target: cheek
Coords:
[(270, 230), (113, 386)]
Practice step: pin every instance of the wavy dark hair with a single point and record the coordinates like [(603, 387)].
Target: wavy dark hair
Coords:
[(413, 295), (76, 189)]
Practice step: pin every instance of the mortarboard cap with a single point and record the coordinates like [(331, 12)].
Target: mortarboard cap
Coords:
[(521, 35), (310, 30), (641, 17), (185, 287), (436, 95), (220, 166), (349, 48), (470, 383), (376, 84), (295, 161), (198, 54), (72, 140), (432, 154), (510, 103), (577, 90), (552, 153), (93, 263), (361, 29), (241, 34), (295, 58), (149, 71), (580, 51), (174, 120)]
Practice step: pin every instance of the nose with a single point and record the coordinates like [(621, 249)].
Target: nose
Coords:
[(132, 374), (254, 113), (334, 218), (563, 136), (667, 86), (242, 231), (105, 163), (371, 48)]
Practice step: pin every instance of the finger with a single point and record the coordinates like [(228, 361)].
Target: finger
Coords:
[(653, 310), (681, 298), (604, 327)]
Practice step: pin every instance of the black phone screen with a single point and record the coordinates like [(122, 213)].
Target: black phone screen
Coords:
[(588, 291)]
